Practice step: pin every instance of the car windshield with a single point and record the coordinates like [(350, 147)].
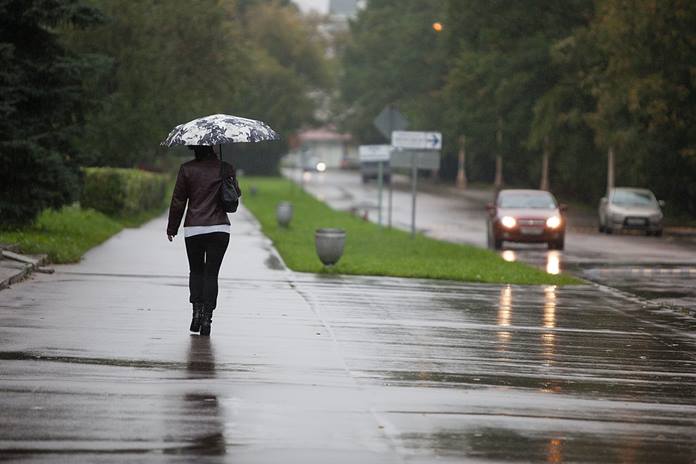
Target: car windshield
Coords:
[(633, 198), (527, 200)]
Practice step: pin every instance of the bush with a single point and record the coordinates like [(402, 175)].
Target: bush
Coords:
[(32, 179), (123, 192)]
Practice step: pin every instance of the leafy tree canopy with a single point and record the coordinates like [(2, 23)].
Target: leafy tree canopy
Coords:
[(41, 105)]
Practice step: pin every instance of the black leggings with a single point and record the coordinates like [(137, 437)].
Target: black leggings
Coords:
[(205, 253)]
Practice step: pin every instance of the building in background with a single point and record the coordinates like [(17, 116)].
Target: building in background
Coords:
[(322, 145), (344, 9), (340, 12)]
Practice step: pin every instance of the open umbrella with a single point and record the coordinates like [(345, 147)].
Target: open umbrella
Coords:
[(218, 129)]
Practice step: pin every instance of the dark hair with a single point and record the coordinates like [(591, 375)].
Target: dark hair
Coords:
[(203, 151)]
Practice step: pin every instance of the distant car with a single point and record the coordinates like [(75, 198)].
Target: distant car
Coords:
[(370, 170), (630, 208), (528, 216), (314, 165)]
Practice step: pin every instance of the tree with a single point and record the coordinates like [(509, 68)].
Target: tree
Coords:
[(646, 94), (394, 57), (170, 62), (502, 68), (286, 68), (178, 60), (41, 106)]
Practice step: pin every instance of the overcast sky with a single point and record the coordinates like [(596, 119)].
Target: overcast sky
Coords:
[(320, 5)]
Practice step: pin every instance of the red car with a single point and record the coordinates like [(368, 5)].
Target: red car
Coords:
[(528, 216)]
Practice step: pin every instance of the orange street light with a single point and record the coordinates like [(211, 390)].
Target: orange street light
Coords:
[(437, 26)]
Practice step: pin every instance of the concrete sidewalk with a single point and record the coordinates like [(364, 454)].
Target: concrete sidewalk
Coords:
[(98, 366)]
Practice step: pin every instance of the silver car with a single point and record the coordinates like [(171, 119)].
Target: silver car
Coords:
[(630, 208)]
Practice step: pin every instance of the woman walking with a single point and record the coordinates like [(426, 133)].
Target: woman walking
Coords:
[(206, 228)]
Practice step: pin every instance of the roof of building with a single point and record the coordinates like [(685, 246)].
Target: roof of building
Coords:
[(323, 134)]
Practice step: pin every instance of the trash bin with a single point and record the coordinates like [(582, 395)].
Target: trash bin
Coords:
[(329, 243), (284, 213)]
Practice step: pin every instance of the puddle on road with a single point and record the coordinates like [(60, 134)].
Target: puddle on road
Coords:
[(668, 285), (138, 363), (272, 262), (550, 446)]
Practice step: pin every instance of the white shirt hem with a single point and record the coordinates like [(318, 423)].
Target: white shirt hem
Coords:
[(200, 230)]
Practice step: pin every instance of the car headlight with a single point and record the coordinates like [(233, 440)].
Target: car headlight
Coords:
[(554, 222), (508, 222), (617, 217), (321, 166), (656, 218)]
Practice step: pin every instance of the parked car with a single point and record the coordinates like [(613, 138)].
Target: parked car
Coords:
[(528, 216), (370, 170), (630, 208)]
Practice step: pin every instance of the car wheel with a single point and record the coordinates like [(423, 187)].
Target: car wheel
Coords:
[(364, 179), (600, 228), (658, 233), (609, 230)]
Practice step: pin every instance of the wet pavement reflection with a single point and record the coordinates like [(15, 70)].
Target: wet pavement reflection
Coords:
[(204, 406), (96, 365), (533, 374)]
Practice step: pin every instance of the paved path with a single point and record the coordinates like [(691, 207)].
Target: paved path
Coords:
[(97, 366)]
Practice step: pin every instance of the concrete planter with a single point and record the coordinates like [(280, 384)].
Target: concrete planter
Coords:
[(330, 243), (284, 213)]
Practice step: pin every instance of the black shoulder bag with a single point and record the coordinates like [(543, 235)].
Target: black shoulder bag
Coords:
[(229, 191)]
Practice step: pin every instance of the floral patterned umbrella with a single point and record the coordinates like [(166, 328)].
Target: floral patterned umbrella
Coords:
[(218, 129)]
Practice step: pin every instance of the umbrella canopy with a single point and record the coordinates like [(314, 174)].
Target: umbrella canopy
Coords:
[(218, 129)]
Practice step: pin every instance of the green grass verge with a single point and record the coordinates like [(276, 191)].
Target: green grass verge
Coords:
[(372, 250), (66, 235)]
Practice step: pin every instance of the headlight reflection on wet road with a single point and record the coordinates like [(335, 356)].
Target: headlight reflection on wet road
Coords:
[(552, 265), (553, 262), (504, 316), (548, 338)]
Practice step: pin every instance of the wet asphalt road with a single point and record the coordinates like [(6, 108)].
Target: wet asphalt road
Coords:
[(659, 269), (97, 366)]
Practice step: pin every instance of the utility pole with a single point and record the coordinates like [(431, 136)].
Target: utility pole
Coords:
[(610, 169), (499, 157), (545, 164), (461, 171)]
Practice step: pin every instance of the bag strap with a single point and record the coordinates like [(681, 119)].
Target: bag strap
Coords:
[(221, 162)]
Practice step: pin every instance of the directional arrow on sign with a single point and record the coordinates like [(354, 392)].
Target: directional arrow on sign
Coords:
[(435, 140), (413, 140)]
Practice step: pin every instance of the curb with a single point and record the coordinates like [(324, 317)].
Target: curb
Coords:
[(15, 267)]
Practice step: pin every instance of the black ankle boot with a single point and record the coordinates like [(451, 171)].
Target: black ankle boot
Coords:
[(197, 316), (206, 320)]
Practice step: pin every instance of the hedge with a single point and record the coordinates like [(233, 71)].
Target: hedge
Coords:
[(123, 192)]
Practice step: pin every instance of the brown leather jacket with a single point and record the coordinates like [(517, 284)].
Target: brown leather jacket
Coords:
[(198, 182)]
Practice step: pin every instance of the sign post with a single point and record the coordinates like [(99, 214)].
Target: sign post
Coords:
[(387, 121), (378, 154), (391, 191), (414, 191), (417, 150), (380, 185)]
